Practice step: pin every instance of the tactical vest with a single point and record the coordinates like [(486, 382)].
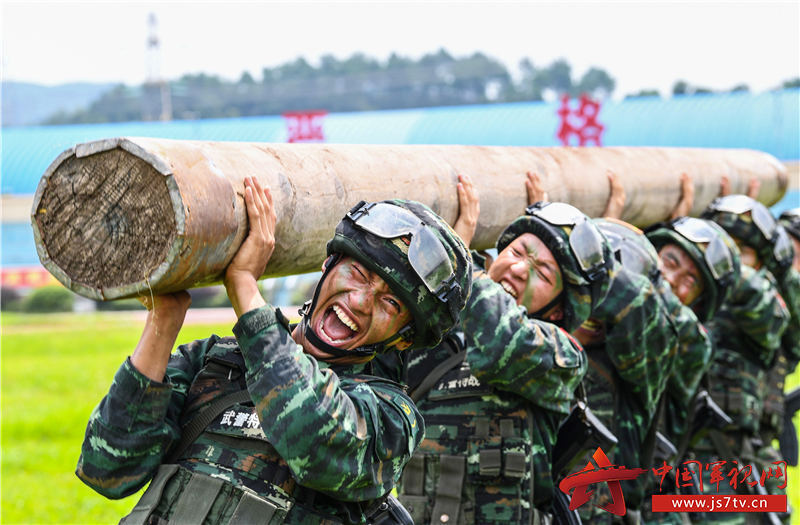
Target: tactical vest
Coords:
[(772, 414), (609, 403), (475, 464), (735, 384), (231, 474)]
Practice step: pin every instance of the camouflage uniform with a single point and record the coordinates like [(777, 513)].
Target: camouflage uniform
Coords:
[(789, 286), (629, 369), (305, 441), (696, 238), (786, 358), (747, 374), (361, 429), (494, 417), (747, 333), (694, 357)]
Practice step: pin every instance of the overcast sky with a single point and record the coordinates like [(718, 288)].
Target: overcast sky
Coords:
[(642, 44)]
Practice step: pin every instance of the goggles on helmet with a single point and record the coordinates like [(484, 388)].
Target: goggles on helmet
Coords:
[(717, 255), (791, 214), (762, 218), (426, 254), (739, 204), (585, 240)]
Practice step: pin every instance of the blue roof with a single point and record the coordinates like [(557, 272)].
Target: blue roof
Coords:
[(768, 122)]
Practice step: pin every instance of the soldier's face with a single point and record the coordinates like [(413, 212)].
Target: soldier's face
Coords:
[(527, 270), (681, 273), (749, 255), (356, 307)]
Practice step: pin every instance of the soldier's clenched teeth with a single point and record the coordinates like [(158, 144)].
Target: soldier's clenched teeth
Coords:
[(507, 287), (336, 326), (344, 318)]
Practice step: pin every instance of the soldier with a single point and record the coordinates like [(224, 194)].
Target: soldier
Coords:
[(494, 393), (767, 248), (280, 424), (632, 341), (746, 330), (790, 220), (701, 264), (700, 261)]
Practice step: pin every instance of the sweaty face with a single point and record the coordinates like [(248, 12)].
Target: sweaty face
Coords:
[(527, 270), (356, 307), (681, 273)]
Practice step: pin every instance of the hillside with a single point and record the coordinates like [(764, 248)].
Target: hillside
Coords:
[(25, 104)]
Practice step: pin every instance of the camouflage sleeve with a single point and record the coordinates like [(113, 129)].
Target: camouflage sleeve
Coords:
[(135, 424), (347, 437), (695, 348), (532, 358), (694, 356), (789, 287), (758, 311), (641, 339)]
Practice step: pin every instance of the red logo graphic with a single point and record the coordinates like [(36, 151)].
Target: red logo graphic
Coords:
[(305, 126), (580, 123), (604, 471)]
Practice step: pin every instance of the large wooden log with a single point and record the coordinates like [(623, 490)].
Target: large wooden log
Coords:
[(121, 217)]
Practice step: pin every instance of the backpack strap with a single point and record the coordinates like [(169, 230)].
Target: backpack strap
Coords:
[(193, 429), (227, 368), (441, 369)]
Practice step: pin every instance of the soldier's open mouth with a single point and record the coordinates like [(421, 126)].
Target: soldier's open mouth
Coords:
[(336, 327)]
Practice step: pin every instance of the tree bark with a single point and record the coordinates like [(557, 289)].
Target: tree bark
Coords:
[(123, 217)]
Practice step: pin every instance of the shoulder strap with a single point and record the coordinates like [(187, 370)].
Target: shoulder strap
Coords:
[(195, 427), (436, 374)]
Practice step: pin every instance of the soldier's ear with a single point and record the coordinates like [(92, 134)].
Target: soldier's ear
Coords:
[(327, 261), (556, 314)]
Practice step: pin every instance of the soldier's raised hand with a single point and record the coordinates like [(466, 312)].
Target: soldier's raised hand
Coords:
[(686, 201), (469, 209), (616, 197), (534, 188), (251, 259)]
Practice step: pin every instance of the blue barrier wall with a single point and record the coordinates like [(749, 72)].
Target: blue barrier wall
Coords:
[(768, 122)]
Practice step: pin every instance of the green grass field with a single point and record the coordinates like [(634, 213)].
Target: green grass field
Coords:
[(54, 370)]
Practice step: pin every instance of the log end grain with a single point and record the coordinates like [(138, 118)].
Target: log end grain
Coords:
[(103, 221)]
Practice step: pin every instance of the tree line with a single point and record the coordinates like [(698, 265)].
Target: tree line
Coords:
[(357, 83)]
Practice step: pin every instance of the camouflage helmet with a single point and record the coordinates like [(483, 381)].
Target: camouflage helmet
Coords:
[(790, 219), (631, 247), (582, 253), (713, 252), (420, 257), (750, 222)]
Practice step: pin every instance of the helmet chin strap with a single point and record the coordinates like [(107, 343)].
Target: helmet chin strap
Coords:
[(311, 336)]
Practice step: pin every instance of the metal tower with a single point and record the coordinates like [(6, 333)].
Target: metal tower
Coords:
[(157, 103)]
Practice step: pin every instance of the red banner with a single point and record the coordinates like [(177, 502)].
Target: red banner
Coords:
[(305, 126), (33, 277)]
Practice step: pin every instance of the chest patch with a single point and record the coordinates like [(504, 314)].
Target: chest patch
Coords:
[(457, 383), (240, 421)]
